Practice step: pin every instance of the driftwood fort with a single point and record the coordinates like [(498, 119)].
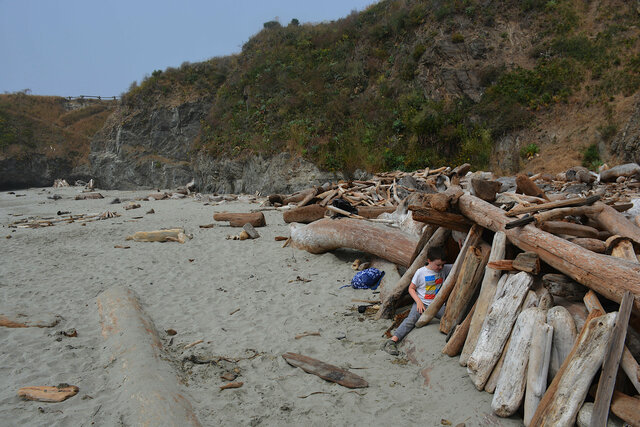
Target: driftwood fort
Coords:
[(543, 300)]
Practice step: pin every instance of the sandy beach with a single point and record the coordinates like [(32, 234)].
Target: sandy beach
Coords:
[(247, 300)]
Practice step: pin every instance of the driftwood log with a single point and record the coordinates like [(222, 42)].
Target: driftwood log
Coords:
[(304, 214), (239, 219), (487, 293), (611, 363), (454, 346), (564, 336), (448, 220), (538, 369), (497, 327), (608, 276), (469, 278), (513, 376), (143, 378), (329, 234)]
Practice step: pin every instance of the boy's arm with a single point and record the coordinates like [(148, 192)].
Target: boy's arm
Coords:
[(414, 294)]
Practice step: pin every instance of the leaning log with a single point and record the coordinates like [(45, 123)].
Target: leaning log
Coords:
[(455, 343), (374, 211), (513, 376), (239, 219), (468, 280), (567, 392), (497, 327), (487, 292), (537, 370), (146, 384), (387, 308), (564, 336), (608, 276), (611, 363), (304, 214), (329, 234)]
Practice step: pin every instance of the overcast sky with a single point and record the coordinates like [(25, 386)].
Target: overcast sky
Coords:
[(98, 47)]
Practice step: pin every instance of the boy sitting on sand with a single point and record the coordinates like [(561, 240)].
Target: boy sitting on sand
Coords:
[(423, 289)]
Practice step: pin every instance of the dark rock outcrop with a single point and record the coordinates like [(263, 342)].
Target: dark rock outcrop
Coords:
[(626, 143), (37, 171)]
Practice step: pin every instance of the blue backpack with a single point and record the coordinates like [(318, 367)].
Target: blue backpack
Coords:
[(366, 279)]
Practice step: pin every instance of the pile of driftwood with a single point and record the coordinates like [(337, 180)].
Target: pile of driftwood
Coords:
[(528, 294)]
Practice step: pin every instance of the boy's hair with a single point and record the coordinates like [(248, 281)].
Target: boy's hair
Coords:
[(435, 253)]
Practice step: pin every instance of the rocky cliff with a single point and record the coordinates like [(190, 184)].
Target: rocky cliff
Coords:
[(154, 148)]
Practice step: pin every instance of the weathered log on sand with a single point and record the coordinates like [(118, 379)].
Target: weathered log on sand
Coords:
[(48, 393), (87, 196), (615, 222), (473, 237), (304, 214), (530, 301), (606, 275), (329, 234), (170, 235), (239, 219), (513, 379), (145, 382), (325, 370), (538, 369), (374, 211), (611, 363), (567, 391), (469, 278), (564, 336), (448, 220), (22, 320), (387, 309), (487, 292), (299, 196), (497, 327), (621, 247), (455, 343)]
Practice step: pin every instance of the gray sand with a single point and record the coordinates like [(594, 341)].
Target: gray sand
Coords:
[(247, 300)]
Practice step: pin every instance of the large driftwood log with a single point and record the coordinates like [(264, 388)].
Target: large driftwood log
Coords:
[(513, 379), (530, 301), (304, 214), (611, 363), (560, 285), (565, 395), (626, 170), (473, 237), (329, 234), (564, 336), (468, 278), (238, 219), (145, 381), (497, 327), (608, 276), (626, 408), (538, 369), (487, 292), (578, 201), (388, 303)]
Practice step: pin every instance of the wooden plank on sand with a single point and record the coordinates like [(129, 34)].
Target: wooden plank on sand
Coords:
[(325, 371)]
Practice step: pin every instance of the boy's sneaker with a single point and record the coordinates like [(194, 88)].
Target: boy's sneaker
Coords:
[(391, 347)]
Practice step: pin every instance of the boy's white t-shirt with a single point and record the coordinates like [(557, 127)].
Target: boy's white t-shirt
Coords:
[(428, 282)]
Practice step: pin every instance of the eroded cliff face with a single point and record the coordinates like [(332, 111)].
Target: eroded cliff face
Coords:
[(626, 143), (154, 148)]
